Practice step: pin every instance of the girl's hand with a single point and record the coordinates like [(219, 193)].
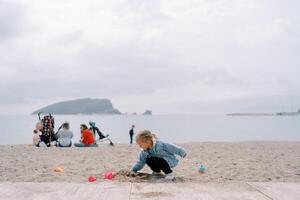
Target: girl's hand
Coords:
[(132, 173), (127, 172)]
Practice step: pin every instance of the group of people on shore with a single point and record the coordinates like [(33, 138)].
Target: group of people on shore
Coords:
[(63, 137), (158, 155)]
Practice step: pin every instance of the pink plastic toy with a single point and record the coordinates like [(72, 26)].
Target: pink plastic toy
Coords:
[(92, 179), (109, 175)]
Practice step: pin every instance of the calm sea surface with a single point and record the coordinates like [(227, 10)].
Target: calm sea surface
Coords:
[(172, 128)]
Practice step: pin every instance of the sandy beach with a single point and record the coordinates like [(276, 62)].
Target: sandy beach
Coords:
[(233, 162)]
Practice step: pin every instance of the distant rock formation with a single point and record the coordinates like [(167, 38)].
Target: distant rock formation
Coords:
[(297, 113), (147, 112), (80, 106), (251, 114)]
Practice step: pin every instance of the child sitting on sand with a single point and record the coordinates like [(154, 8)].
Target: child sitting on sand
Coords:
[(36, 139), (158, 155)]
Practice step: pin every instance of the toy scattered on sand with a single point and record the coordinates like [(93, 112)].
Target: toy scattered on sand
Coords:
[(92, 179), (109, 175), (201, 169), (58, 169)]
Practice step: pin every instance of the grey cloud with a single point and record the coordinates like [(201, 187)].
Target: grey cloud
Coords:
[(258, 103), (74, 63), (92, 81), (133, 67), (142, 11), (11, 19), (70, 38)]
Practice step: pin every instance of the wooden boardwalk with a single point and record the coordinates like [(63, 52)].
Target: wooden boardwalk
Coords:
[(135, 191)]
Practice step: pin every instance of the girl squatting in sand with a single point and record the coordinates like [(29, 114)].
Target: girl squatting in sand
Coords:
[(158, 155)]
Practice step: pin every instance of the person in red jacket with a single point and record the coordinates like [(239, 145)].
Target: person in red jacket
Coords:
[(87, 137)]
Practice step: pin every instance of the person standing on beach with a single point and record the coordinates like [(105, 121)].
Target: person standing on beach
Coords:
[(131, 133)]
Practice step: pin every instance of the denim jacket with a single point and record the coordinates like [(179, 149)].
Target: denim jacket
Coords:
[(162, 150)]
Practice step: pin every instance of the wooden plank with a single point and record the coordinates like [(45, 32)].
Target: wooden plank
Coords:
[(138, 191), (278, 190), (193, 191), (64, 191)]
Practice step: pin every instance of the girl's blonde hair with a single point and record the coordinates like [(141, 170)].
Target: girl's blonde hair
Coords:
[(145, 135)]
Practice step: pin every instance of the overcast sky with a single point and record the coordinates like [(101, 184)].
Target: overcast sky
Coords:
[(170, 56)]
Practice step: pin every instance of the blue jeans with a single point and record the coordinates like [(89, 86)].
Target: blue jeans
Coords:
[(157, 164), (85, 145), (59, 145)]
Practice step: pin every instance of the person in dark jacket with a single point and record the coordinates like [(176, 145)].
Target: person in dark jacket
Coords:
[(131, 133)]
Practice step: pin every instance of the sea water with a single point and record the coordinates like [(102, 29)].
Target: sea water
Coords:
[(18, 129)]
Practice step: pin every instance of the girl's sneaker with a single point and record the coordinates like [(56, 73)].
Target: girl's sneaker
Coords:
[(156, 173), (170, 176)]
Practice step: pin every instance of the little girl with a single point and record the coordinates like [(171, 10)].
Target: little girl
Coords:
[(158, 155), (36, 139)]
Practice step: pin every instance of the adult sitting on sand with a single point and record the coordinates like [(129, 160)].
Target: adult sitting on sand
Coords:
[(64, 136), (87, 137)]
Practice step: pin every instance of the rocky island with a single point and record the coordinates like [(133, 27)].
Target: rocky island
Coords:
[(80, 106)]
